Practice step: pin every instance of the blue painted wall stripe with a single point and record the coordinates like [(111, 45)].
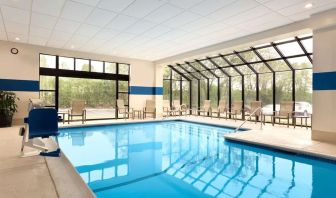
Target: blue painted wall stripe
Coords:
[(139, 90), (324, 81), (19, 85)]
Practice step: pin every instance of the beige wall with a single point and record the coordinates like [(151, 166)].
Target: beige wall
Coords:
[(25, 66)]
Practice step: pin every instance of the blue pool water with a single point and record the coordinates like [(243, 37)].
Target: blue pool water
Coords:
[(181, 159)]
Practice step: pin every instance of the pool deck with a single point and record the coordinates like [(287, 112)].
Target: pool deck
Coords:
[(55, 177)]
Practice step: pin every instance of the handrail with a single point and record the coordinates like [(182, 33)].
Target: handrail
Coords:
[(254, 112)]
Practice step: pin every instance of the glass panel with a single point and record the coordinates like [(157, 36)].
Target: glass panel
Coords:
[(303, 91), (234, 59), (82, 65), (48, 97), (260, 68), (300, 62), (194, 94), (249, 56), (204, 91), (66, 63), (213, 83), (176, 90), (231, 71), (176, 76), (245, 70), (236, 88), (186, 66), (250, 90), (110, 68), (208, 64), (279, 65), (47, 82), (97, 66), (283, 87), (268, 53), (123, 69), (220, 62), (178, 68), (123, 86), (166, 90), (308, 45), (197, 75), (124, 96), (224, 89), (219, 73), (99, 95), (266, 92), (290, 49), (197, 66), (47, 61), (166, 73), (185, 92)]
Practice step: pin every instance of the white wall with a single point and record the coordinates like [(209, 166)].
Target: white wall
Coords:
[(25, 66)]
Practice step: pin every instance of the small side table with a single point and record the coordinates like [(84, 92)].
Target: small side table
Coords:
[(63, 116), (137, 113), (301, 117)]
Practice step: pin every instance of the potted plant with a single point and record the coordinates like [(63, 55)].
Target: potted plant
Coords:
[(8, 107)]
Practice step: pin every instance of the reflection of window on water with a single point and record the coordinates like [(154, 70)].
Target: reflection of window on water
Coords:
[(78, 138), (109, 173)]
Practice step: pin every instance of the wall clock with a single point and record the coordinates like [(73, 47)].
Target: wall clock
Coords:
[(14, 51)]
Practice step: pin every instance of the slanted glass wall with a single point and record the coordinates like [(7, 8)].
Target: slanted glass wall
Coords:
[(271, 73), (64, 80)]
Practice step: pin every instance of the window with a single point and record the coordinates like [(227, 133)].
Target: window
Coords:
[(203, 91), (250, 88), (194, 94), (166, 90), (47, 90), (283, 91), (110, 68), (66, 63), (97, 66), (123, 69), (47, 61), (82, 65), (176, 90), (185, 93), (224, 89), (236, 87), (213, 92)]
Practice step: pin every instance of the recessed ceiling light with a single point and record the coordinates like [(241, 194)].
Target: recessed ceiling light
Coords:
[(17, 38), (308, 5)]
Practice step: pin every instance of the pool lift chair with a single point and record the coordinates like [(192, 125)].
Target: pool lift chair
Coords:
[(41, 123)]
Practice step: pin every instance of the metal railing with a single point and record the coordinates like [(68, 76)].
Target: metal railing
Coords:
[(249, 117)]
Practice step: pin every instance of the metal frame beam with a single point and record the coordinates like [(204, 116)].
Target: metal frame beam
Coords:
[(303, 49), (181, 74), (206, 68), (198, 71), (184, 69), (218, 67)]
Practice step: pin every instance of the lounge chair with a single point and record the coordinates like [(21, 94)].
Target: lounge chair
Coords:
[(41, 123), (78, 110), (221, 109), (166, 108), (124, 110), (206, 108), (285, 112), (255, 111), (236, 109), (149, 109)]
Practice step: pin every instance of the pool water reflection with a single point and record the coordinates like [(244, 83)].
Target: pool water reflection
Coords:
[(181, 159)]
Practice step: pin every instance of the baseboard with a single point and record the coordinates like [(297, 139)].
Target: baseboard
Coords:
[(324, 136)]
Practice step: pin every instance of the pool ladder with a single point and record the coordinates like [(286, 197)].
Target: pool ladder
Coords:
[(249, 117)]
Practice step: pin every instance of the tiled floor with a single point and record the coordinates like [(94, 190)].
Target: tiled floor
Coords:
[(55, 177)]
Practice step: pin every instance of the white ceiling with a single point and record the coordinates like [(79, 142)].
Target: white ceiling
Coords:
[(145, 29)]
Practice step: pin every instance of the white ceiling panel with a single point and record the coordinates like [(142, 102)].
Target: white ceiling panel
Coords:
[(37, 40), (300, 8), (106, 34), (76, 11), (66, 26), (60, 36), (15, 14), (48, 7), (202, 22), (17, 28), (185, 3), (140, 8), (100, 17), (163, 13), (22, 4), (115, 5), (181, 19), (157, 31), (87, 30), (208, 6), (275, 5), (140, 27), (39, 32), (43, 20), (88, 2), (121, 22), (14, 36)]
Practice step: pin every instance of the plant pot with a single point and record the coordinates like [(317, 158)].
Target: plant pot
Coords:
[(5, 120)]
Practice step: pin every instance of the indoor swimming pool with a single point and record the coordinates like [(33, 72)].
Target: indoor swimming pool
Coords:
[(184, 159)]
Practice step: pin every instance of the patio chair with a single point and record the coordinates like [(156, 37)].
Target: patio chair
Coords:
[(78, 110), (206, 108), (124, 110), (41, 123), (220, 109), (149, 109), (285, 112), (236, 109), (255, 110), (166, 108)]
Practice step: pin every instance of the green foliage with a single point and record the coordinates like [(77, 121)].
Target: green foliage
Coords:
[(8, 104)]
